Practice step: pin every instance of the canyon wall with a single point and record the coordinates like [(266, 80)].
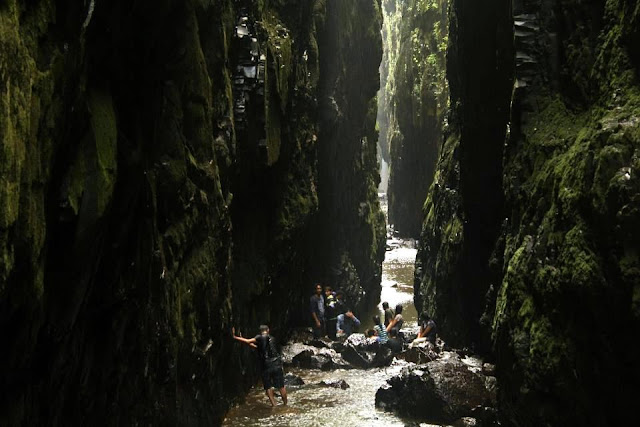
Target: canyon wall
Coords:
[(529, 247), (415, 97), (170, 169)]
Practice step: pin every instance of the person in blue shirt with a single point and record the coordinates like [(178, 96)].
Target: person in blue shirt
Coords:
[(345, 324), (380, 330)]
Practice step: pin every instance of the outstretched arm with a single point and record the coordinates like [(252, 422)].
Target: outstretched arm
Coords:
[(251, 342), (424, 331), (391, 324)]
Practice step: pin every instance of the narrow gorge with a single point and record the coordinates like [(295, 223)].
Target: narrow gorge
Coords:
[(172, 169)]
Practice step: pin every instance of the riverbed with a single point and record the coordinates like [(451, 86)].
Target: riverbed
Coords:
[(311, 405)]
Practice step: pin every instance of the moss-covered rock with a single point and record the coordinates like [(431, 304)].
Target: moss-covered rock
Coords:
[(143, 212), (547, 265), (350, 227), (415, 99)]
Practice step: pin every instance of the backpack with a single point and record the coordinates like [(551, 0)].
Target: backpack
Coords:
[(268, 351)]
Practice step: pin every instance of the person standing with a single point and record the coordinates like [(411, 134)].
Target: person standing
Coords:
[(330, 314), (271, 361), (388, 314), (317, 312)]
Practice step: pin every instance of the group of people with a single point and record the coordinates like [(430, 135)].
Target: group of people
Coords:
[(331, 316)]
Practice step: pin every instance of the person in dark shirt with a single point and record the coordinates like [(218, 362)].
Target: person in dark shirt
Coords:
[(271, 361), (340, 307), (394, 343), (428, 328), (388, 314), (316, 307)]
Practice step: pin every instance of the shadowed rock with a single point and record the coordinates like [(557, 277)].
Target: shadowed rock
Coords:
[(309, 357), (440, 391), (292, 380), (334, 383), (362, 353)]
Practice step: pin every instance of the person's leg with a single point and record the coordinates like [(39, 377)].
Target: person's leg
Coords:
[(278, 382), (267, 381), (331, 329), (316, 331), (270, 395)]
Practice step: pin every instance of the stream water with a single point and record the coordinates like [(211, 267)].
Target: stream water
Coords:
[(311, 405)]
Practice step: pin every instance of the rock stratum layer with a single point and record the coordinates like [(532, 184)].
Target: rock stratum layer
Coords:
[(169, 169), (530, 244)]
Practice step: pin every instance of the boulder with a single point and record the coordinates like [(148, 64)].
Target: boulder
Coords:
[(383, 357), (337, 346), (466, 422), (488, 369), (408, 335), (291, 350), (419, 354), (334, 383), (317, 358), (441, 391), (301, 335), (292, 380), (362, 353), (320, 343)]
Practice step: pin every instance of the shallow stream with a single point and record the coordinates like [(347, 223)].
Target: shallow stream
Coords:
[(311, 405)]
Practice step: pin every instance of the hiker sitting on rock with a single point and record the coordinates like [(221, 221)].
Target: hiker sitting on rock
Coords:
[(346, 323), (427, 331), (381, 332), (428, 328), (394, 343), (272, 375), (397, 321), (372, 337)]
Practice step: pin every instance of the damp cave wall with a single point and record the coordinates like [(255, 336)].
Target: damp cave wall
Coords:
[(143, 212), (529, 246), (415, 100)]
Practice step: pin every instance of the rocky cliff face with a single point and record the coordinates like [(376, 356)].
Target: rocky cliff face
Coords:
[(416, 97), (350, 226), (530, 243), (166, 167)]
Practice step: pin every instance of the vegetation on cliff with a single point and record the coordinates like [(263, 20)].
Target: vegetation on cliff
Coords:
[(152, 194), (533, 256), (416, 100)]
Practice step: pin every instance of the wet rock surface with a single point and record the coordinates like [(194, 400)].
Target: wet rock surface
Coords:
[(291, 380), (342, 384), (421, 353), (318, 358), (355, 352), (443, 390)]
